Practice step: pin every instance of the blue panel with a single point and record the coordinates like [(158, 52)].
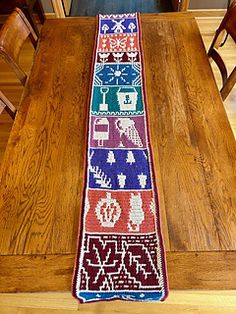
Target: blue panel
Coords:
[(119, 169), (117, 26), (145, 296), (117, 74)]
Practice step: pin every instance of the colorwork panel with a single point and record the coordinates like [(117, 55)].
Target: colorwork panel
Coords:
[(120, 250)]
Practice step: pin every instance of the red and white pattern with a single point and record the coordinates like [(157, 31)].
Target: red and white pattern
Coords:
[(124, 218), (118, 42), (117, 262)]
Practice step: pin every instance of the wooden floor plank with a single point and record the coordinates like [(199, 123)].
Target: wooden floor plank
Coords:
[(222, 302)]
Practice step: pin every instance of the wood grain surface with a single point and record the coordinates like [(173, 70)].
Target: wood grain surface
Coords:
[(40, 206), (196, 146), (194, 153), (186, 270), (178, 302)]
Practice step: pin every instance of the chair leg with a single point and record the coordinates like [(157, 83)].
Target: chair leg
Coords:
[(29, 15), (39, 9), (226, 89), (214, 54)]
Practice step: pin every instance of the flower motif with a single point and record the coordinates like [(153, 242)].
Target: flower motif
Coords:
[(118, 56), (104, 56), (132, 56)]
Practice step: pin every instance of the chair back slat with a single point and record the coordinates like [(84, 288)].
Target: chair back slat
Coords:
[(7, 105), (228, 25), (229, 21), (2, 106), (13, 34)]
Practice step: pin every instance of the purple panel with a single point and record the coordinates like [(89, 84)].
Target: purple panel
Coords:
[(128, 132)]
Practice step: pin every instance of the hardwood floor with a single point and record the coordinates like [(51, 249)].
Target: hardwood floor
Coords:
[(178, 301)]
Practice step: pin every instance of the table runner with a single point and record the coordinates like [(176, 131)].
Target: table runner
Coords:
[(120, 250)]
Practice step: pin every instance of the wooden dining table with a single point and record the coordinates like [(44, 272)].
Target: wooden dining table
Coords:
[(41, 179)]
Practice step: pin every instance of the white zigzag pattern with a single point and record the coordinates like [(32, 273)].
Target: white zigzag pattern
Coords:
[(116, 113)]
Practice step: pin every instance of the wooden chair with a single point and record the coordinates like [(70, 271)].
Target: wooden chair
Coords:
[(12, 37), (228, 25), (28, 7), (7, 105)]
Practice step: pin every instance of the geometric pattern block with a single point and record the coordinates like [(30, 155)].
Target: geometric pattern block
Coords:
[(120, 212), (120, 263), (119, 169), (120, 250), (118, 132), (118, 42), (117, 74), (118, 57), (116, 26), (113, 101)]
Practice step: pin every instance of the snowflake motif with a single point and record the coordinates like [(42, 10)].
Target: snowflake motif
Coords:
[(118, 74)]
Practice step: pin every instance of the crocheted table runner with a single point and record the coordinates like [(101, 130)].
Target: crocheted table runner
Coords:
[(120, 251)]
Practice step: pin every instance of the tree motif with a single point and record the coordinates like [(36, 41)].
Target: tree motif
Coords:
[(130, 158), (131, 27), (111, 157), (105, 28)]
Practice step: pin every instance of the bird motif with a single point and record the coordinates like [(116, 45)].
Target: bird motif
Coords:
[(126, 126)]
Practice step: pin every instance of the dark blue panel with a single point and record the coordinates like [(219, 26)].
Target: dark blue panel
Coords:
[(124, 295), (119, 169), (118, 74), (117, 26)]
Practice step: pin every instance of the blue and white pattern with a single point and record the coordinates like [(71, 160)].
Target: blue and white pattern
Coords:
[(118, 26), (129, 169), (118, 74)]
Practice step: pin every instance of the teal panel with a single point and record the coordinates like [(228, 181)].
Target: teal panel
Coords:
[(120, 101)]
